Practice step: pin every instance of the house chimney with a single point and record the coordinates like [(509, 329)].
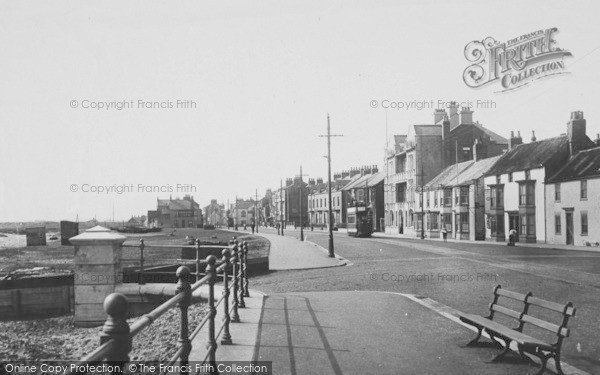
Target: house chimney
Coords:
[(453, 116), (375, 169), (597, 141), (354, 172), (533, 138), (514, 141), (438, 115), (475, 149), (311, 181), (345, 174), (466, 115), (319, 181), (445, 128), (576, 132)]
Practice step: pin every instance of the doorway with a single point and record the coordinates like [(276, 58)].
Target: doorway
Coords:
[(569, 228)]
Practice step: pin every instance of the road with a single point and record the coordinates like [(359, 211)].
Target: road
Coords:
[(462, 276)]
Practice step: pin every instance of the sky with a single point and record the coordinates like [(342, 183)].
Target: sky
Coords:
[(227, 98)]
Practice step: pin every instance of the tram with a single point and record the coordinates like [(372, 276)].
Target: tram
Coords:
[(360, 220)]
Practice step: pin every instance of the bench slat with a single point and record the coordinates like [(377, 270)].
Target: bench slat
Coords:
[(511, 294), (545, 325), (505, 311), (567, 310)]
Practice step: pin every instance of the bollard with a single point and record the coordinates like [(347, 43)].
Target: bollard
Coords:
[(141, 274), (197, 259), (226, 340), (183, 286), (235, 317), (246, 283), (116, 328), (212, 343)]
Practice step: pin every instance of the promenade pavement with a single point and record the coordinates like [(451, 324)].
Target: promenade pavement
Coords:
[(356, 332)]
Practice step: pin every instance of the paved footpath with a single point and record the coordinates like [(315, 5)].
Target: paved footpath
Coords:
[(355, 332), (367, 333), (289, 253)]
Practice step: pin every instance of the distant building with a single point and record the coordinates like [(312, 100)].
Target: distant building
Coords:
[(293, 188), (455, 200), (572, 196), (516, 192), (243, 211), (215, 213), (318, 200), (420, 155), (176, 213), (366, 190)]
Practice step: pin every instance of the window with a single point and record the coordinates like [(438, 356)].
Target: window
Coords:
[(557, 193), (583, 190), (584, 223), (527, 174), (432, 221), (498, 179), (557, 228), (526, 194), (427, 199), (243, 214), (510, 178), (497, 225), (360, 195), (461, 222), (401, 192), (528, 224), (464, 195), (400, 163), (456, 196), (435, 198), (448, 197)]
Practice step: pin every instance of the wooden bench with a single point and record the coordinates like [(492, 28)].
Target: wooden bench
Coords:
[(525, 343)]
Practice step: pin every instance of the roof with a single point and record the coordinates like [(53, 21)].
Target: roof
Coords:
[(178, 204), (584, 164), (366, 180), (243, 205), (493, 136), (529, 155), (428, 129), (467, 171)]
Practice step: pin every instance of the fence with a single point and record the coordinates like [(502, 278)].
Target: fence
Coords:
[(117, 335)]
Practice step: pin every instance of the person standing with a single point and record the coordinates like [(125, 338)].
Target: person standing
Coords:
[(252, 224)]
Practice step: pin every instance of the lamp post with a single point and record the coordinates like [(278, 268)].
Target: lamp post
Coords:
[(301, 223)]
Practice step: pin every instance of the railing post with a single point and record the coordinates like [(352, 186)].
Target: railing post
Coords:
[(116, 328), (246, 283), (235, 317), (141, 274), (183, 286), (197, 259), (226, 340), (212, 311)]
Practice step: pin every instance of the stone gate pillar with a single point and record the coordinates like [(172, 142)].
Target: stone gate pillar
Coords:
[(97, 270)]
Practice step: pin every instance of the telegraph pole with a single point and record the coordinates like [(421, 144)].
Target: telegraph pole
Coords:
[(301, 226), (329, 135), (281, 204), (256, 219)]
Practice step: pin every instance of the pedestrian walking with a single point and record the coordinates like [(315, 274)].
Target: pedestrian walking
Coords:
[(445, 234), (252, 224)]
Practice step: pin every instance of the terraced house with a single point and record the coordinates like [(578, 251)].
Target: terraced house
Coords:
[(573, 201), (455, 200), (420, 155), (516, 192)]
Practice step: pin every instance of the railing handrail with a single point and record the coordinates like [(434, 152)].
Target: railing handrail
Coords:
[(117, 334)]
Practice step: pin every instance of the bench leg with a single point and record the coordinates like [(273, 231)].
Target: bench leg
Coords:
[(544, 359), (557, 364), (503, 353), (475, 341)]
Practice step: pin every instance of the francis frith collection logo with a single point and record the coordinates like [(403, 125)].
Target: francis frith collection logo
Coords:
[(514, 63)]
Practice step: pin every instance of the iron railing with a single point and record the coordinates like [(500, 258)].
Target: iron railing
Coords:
[(116, 336)]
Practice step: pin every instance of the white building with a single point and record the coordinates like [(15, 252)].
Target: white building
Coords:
[(573, 201), (515, 185)]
